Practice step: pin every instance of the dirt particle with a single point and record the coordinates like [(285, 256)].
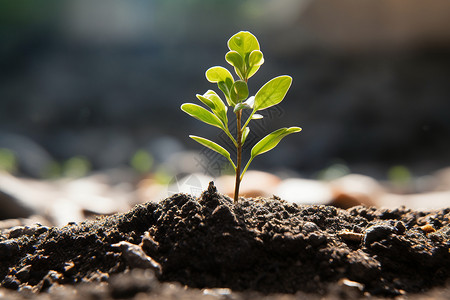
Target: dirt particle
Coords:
[(377, 233), (8, 249), (400, 226), (316, 239), (24, 273), (223, 214), (10, 282), (351, 236), (310, 227), (428, 228), (136, 258)]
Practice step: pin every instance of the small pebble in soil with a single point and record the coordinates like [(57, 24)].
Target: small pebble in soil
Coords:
[(10, 282), (8, 249), (400, 226), (310, 227), (136, 258), (377, 233), (350, 236), (428, 228)]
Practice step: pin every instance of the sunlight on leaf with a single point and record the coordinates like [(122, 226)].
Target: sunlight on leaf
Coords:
[(218, 74), (271, 140), (273, 92), (243, 43), (239, 91), (206, 101), (237, 61), (255, 58), (202, 114), (213, 146), (220, 110)]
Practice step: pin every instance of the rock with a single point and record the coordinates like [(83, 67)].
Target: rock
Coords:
[(310, 227), (377, 233), (8, 249), (136, 257)]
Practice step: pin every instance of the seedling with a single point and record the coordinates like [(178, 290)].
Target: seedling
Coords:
[(246, 58)]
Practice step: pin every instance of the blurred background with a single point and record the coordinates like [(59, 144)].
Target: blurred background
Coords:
[(89, 86)]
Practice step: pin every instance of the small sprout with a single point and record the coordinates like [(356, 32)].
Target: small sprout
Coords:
[(246, 58)]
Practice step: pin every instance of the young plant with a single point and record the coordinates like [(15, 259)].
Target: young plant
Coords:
[(246, 58)]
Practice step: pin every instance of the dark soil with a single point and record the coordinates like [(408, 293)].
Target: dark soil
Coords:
[(264, 246)]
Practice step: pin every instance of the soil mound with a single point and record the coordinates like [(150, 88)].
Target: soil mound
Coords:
[(263, 245)]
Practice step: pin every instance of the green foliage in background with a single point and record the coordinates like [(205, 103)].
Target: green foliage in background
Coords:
[(399, 176), (246, 58), (142, 161), (77, 166), (8, 160)]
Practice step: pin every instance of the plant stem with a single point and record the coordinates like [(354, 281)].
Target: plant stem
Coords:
[(246, 167), (230, 136), (249, 119), (239, 156)]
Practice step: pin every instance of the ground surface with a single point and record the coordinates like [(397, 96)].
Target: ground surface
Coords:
[(263, 247)]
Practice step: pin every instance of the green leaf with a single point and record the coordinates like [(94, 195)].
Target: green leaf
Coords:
[(202, 114), (225, 87), (234, 59), (272, 92), (218, 102), (239, 91), (213, 146), (237, 61), (218, 74), (252, 71), (206, 101), (245, 134), (243, 43), (241, 106), (256, 58), (271, 140), (223, 78), (219, 109)]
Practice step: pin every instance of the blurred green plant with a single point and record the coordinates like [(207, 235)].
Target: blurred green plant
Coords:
[(399, 176), (8, 160), (52, 170), (334, 171), (77, 166), (246, 58), (141, 161)]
